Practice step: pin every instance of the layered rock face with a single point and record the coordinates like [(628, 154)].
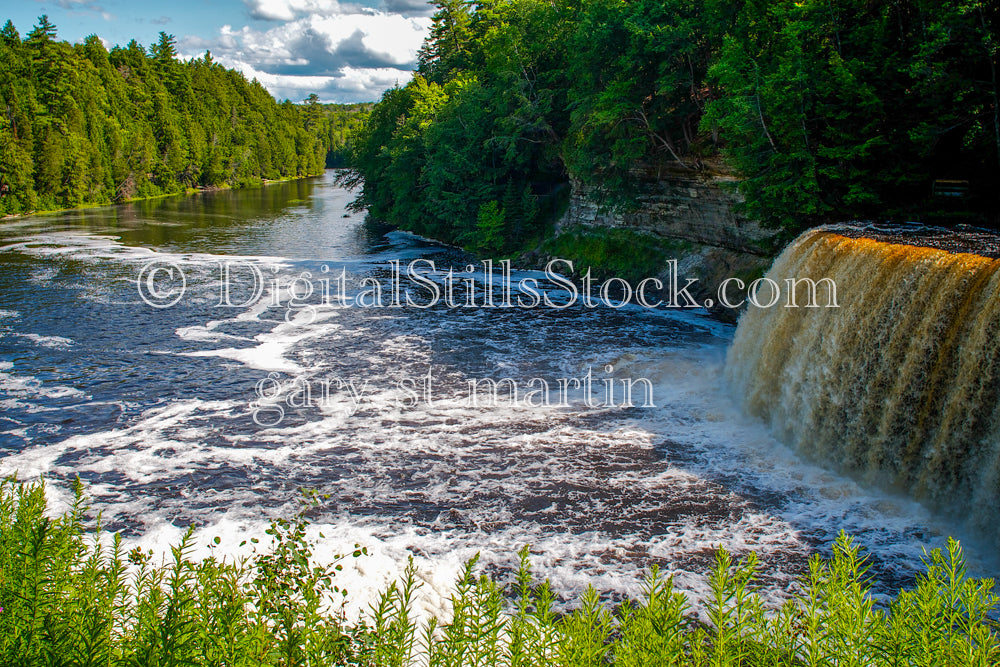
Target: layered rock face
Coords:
[(679, 204), (696, 208)]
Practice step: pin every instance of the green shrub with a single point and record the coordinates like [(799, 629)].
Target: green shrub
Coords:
[(68, 599), (614, 252)]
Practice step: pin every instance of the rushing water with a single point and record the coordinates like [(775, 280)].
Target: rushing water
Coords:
[(902, 386), (151, 407)]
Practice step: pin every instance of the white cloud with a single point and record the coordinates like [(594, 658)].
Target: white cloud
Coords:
[(76, 5), (350, 85), (80, 6), (408, 7), (351, 56), (289, 10), (324, 44)]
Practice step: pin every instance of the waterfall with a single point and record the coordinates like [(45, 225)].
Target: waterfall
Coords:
[(900, 385)]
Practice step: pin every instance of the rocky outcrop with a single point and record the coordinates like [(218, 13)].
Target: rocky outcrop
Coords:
[(678, 204), (696, 208)]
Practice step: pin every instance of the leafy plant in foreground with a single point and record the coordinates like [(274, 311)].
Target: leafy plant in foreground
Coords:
[(70, 595)]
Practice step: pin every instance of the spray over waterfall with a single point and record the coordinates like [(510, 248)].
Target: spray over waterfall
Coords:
[(900, 385)]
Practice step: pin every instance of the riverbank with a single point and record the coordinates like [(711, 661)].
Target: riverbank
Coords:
[(185, 193)]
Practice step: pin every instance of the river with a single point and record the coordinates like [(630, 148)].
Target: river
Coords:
[(154, 407)]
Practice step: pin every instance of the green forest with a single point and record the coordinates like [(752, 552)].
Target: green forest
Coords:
[(824, 109), (82, 125)]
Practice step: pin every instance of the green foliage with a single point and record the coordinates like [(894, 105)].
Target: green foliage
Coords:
[(637, 91), (473, 127), (341, 122), (80, 125), (827, 109), (847, 106), (490, 223), (610, 252), (69, 597)]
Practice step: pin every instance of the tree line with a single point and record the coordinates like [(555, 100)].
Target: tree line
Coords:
[(825, 109), (83, 125)]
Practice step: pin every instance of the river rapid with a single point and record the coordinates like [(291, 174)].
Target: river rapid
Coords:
[(218, 415)]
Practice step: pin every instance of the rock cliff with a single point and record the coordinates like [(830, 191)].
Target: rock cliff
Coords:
[(695, 208), (678, 204)]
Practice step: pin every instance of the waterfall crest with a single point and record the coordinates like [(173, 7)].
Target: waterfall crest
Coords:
[(900, 385)]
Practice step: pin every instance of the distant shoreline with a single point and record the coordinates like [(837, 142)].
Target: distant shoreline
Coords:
[(184, 193)]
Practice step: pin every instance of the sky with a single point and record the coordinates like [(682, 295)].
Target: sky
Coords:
[(342, 51)]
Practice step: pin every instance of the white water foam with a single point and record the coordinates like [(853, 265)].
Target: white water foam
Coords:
[(599, 494), (54, 342), (31, 387), (694, 412)]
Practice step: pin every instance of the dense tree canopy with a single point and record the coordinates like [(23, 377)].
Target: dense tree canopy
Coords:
[(341, 121), (79, 124), (827, 109)]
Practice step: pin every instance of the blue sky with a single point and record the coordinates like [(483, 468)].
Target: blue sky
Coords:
[(343, 51)]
